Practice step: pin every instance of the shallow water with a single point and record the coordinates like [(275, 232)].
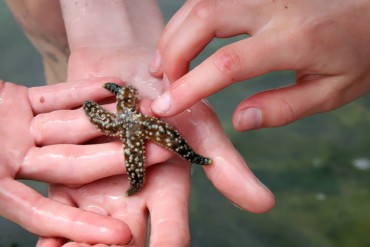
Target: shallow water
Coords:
[(318, 168)]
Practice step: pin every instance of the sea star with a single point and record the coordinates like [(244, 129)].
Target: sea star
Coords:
[(134, 128)]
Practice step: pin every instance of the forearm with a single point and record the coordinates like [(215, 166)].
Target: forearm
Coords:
[(111, 23), (43, 24)]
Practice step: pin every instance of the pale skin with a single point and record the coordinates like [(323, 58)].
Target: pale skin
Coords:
[(124, 50), (29, 152), (326, 43)]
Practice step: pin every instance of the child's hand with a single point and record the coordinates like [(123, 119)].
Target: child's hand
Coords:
[(327, 44)]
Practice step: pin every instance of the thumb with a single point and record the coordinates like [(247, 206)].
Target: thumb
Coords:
[(285, 105)]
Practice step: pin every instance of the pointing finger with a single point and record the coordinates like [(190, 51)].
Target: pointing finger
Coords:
[(198, 22), (241, 60)]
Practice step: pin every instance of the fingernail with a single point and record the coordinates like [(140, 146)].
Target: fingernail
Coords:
[(162, 104), (156, 63), (249, 118)]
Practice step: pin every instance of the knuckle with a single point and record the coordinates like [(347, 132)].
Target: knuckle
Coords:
[(287, 112), (277, 109), (227, 61), (204, 10), (36, 129)]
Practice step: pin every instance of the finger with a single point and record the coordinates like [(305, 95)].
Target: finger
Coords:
[(206, 20), (177, 19), (168, 205), (239, 61), (106, 197), (74, 244), (172, 25), (53, 164), (228, 172), (137, 218), (50, 242), (67, 95), (48, 218), (61, 194), (75, 125), (285, 105), (65, 199)]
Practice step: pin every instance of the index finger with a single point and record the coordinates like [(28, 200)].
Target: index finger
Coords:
[(68, 95), (241, 60)]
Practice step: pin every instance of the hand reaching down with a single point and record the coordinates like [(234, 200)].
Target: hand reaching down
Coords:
[(327, 44)]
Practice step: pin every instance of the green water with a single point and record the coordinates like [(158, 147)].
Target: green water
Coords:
[(318, 168)]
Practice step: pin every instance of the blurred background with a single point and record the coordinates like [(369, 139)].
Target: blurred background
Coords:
[(318, 168)]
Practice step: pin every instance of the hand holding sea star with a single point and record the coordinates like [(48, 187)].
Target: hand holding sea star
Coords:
[(133, 128)]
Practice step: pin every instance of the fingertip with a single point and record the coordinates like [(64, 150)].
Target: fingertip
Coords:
[(269, 201), (145, 107), (266, 201), (162, 105), (115, 232), (277, 107), (93, 228), (235, 180), (248, 118), (260, 199)]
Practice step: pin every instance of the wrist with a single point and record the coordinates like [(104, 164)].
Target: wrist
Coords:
[(111, 23)]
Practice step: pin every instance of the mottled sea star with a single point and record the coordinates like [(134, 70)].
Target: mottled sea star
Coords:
[(134, 128)]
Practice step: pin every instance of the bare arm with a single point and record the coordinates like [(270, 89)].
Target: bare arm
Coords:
[(110, 22), (43, 24)]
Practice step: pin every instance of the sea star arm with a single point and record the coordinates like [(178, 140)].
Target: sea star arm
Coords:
[(134, 151), (134, 128), (126, 96), (164, 135), (101, 118)]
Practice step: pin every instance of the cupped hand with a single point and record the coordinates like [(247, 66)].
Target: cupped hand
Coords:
[(164, 198), (200, 128), (39, 143), (116, 48), (327, 44), (130, 61)]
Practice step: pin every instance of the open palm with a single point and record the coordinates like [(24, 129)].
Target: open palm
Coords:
[(166, 192), (34, 147)]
